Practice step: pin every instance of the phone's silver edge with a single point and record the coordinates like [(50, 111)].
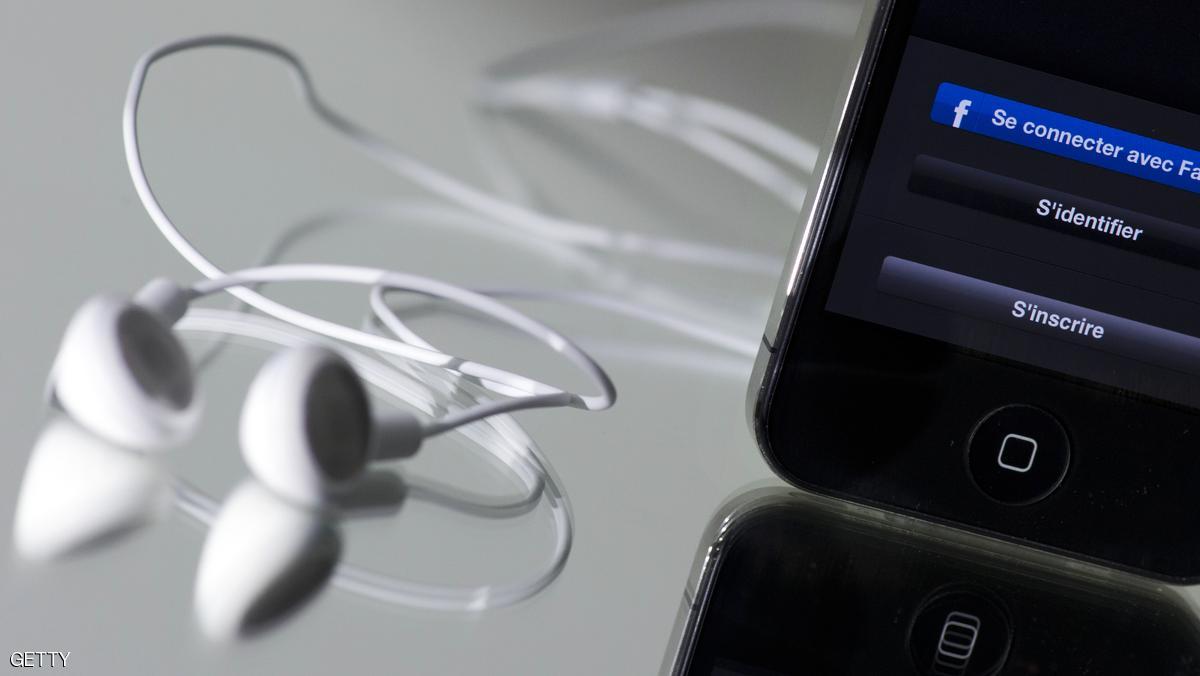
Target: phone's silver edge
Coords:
[(826, 175)]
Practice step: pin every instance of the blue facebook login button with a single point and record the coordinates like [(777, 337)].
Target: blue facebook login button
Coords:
[(1066, 136)]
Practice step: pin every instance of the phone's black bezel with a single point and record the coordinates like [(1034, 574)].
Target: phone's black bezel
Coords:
[(877, 415)]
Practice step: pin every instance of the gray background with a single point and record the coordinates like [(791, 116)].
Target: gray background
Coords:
[(236, 159)]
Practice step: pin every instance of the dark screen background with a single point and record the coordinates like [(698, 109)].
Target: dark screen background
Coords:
[(1145, 49)]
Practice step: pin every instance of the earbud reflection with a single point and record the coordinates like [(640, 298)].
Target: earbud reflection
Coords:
[(80, 490), (263, 559)]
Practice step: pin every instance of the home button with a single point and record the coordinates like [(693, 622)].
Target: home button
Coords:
[(1018, 454)]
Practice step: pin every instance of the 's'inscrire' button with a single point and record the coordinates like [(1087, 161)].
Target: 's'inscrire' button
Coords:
[(1039, 315)]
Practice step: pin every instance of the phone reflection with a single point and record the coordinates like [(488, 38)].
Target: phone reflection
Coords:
[(787, 582)]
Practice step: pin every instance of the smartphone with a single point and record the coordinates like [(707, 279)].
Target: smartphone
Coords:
[(991, 315), (788, 585)]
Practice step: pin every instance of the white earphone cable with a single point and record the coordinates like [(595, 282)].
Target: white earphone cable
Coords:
[(695, 330), (665, 23), (665, 313), (536, 394), (709, 127), (741, 124), (535, 223)]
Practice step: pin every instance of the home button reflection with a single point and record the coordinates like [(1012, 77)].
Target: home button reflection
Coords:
[(1018, 454)]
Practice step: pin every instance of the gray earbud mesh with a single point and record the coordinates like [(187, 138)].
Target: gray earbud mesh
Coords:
[(337, 420), (155, 358)]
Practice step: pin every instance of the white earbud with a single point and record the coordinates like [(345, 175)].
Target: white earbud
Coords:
[(307, 429), (122, 373)]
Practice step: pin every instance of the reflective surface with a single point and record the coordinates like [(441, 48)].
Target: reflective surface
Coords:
[(114, 556), (796, 584)]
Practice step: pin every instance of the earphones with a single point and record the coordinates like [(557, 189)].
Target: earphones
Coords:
[(80, 491), (307, 427), (499, 438)]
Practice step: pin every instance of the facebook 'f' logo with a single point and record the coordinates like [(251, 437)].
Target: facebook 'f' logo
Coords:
[(960, 111), (958, 107)]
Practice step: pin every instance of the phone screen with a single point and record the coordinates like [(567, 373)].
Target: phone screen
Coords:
[(1030, 215), (999, 321)]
